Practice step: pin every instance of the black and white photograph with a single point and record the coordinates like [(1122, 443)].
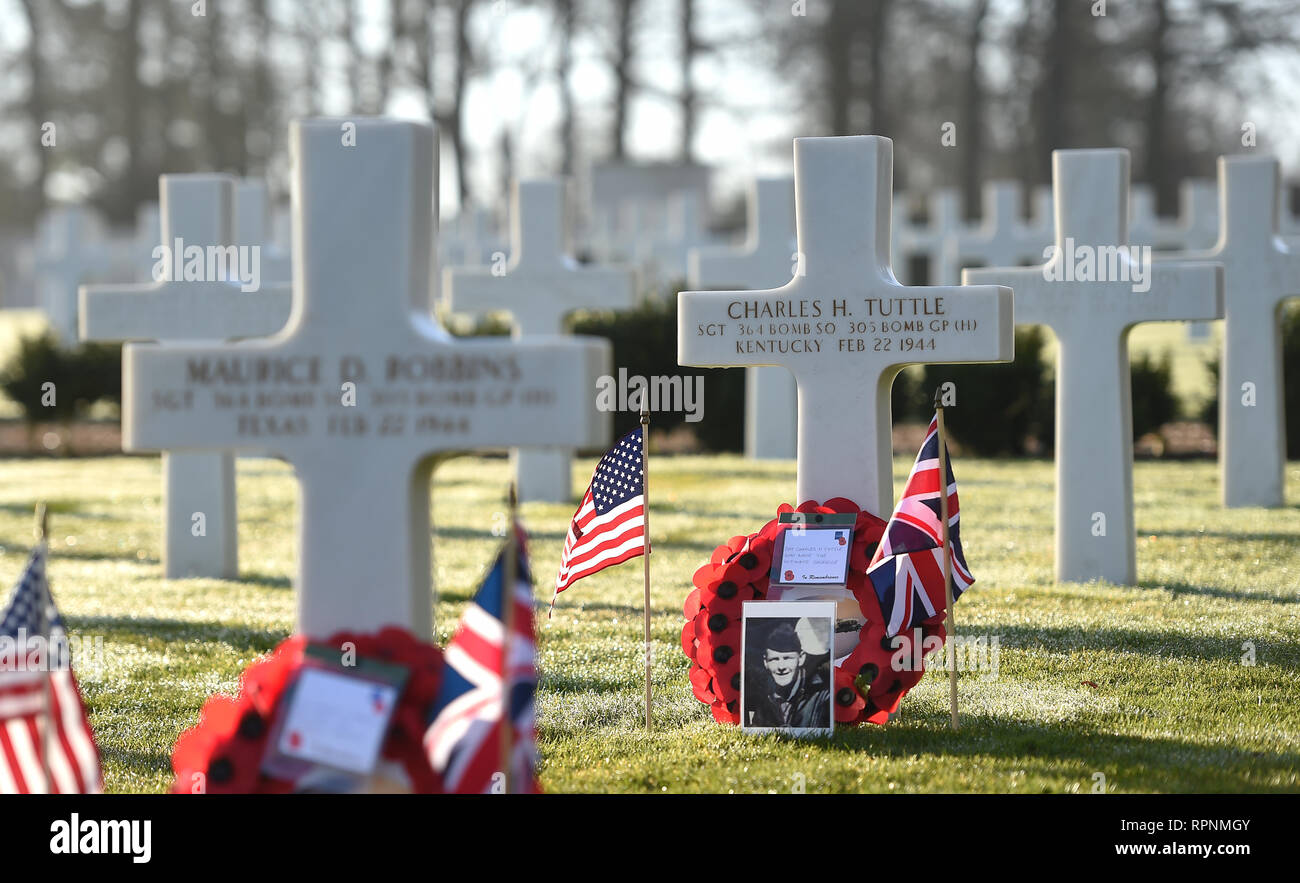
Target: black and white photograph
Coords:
[(786, 663)]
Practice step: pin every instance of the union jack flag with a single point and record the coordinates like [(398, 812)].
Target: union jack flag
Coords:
[(609, 526), (464, 738), (46, 744), (907, 569)]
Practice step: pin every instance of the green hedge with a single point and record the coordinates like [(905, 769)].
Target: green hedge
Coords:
[(1001, 408), (82, 375), (645, 344), (1290, 383)]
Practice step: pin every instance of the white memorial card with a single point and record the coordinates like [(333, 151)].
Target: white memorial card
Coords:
[(812, 556), (337, 720)]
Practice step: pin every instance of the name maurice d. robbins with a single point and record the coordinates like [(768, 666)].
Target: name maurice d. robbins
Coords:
[(306, 370)]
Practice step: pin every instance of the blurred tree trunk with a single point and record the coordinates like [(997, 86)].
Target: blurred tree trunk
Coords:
[(623, 85), (568, 118), (454, 121), (131, 94), (309, 38), (686, 23), (39, 101), (971, 134), (837, 65), (1055, 87), (1157, 168), (397, 35), (877, 33), (266, 121), (352, 67), (505, 166)]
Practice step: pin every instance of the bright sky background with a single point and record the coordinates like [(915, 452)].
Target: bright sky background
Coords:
[(750, 136)]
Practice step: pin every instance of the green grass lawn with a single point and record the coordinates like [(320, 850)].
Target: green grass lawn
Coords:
[(1173, 709)]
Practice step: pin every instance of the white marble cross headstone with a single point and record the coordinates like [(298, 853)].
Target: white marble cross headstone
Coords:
[(148, 233), (1260, 271), (684, 231), (1003, 238), (471, 239), (843, 325), (253, 230), (199, 527), (363, 388), (1197, 224), (928, 239), (71, 248), (540, 288), (1090, 294), (766, 260)]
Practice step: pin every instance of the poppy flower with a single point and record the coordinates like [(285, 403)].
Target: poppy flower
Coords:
[(711, 642), (848, 701), (692, 606), (873, 715), (726, 672), (725, 586), (727, 712), (688, 639), (703, 574), (732, 608), (701, 685), (755, 558), (728, 549)]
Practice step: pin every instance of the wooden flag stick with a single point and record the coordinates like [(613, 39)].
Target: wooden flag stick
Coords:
[(645, 552), (511, 578), (947, 554), (43, 617)]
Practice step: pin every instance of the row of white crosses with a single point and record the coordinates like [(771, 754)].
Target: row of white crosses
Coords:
[(540, 287), (1261, 270), (820, 327), (362, 391), (253, 229), (72, 247), (1095, 534), (548, 273), (1195, 227)]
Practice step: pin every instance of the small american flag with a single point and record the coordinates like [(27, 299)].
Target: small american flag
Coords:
[(907, 569), (464, 738), (609, 526), (43, 726)]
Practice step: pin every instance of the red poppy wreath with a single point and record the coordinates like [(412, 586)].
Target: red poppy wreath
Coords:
[(223, 753), (867, 686)]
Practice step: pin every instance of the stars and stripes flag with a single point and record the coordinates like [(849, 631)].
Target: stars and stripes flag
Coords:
[(907, 569), (46, 744), (609, 526), (464, 740)]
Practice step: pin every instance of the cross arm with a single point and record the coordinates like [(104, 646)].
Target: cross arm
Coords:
[(411, 400), (538, 301), (1180, 291), (180, 311)]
